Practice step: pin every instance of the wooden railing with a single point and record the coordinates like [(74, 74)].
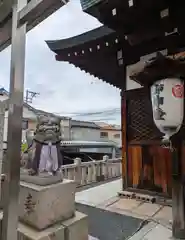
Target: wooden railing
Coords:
[(91, 172)]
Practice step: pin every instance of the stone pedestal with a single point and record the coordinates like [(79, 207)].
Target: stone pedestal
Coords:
[(47, 212), (42, 206)]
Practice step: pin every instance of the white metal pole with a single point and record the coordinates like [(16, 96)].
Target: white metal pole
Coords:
[(11, 189)]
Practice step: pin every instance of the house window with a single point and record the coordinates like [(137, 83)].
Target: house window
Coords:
[(24, 124), (117, 136), (103, 134)]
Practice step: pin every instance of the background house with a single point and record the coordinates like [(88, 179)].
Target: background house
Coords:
[(110, 132), (85, 131), (30, 115), (70, 129)]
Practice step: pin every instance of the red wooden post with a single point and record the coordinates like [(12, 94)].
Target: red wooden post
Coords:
[(124, 131), (178, 200)]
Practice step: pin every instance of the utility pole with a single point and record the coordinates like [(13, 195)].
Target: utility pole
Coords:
[(30, 95)]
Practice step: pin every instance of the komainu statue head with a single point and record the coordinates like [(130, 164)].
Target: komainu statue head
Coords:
[(48, 130)]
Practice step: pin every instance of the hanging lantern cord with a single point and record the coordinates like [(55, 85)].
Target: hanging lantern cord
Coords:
[(171, 146), (168, 144)]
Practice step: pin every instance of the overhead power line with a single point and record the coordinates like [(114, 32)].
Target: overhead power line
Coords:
[(83, 112), (107, 112), (102, 119), (97, 114)]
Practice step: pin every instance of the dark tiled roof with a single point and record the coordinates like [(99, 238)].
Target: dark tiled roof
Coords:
[(138, 17), (41, 112), (141, 28), (87, 37), (4, 91), (94, 52), (78, 123), (88, 3), (103, 52)]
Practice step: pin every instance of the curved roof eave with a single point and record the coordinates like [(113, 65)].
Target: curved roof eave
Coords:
[(76, 49), (83, 38), (103, 53)]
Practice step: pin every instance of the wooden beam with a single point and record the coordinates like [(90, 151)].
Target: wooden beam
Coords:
[(38, 10), (32, 14)]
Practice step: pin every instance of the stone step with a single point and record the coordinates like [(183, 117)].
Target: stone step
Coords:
[(75, 228)]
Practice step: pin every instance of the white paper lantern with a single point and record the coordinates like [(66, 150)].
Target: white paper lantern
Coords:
[(168, 105)]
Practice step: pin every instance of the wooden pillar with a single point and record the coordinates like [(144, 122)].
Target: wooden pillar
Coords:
[(178, 195), (178, 188), (124, 132)]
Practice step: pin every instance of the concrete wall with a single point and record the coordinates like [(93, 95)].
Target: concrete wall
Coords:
[(66, 129), (113, 138), (85, 134)]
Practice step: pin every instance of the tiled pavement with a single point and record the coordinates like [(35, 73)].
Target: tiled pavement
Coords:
[(106, 225), (143, 210), (153, 231), (159, 217), (105, 197)]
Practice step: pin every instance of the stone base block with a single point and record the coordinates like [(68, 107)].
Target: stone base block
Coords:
[(42, 179), (56, 232), (76, 228), (43, 206)]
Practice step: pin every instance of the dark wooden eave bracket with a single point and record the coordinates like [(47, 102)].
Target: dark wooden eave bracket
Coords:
[(160, 67)]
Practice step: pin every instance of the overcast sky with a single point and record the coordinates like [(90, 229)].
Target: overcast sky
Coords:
[(62, 87)]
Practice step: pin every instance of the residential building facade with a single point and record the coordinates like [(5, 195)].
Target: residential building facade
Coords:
[(86, 131), (110, 132), (70, 129), (30, 115)]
